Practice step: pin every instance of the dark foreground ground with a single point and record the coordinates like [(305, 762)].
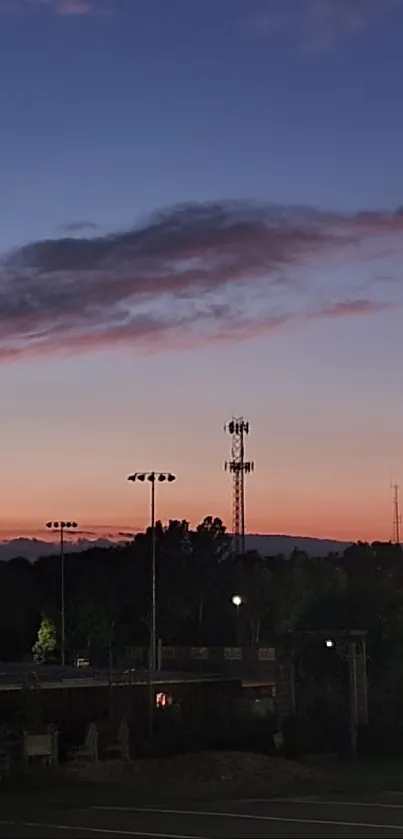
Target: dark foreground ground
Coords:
[(342, 799), (270, 818)]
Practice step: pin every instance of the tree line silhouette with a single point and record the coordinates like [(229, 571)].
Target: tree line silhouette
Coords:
[(107, 592)]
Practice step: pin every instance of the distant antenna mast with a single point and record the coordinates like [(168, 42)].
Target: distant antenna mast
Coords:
[(238, 428), (396, 514)]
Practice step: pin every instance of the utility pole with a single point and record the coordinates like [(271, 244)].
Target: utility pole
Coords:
[(396, 514)]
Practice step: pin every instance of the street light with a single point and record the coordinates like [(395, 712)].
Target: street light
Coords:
[(152, 477), (60, 527), (237, 601)]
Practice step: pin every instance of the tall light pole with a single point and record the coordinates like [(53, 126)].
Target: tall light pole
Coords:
[(60, 527), (152, 477), (237, 601)]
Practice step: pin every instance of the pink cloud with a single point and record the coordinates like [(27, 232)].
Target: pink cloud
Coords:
[(318, 23), (73, 7), (66, 8), (353, 307), (189, 275)]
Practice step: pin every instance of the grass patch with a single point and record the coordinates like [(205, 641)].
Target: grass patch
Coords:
[(205, 776), (54, 789), (370, 777)]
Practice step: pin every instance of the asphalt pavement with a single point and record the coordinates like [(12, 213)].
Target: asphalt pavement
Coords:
[(234, 820)]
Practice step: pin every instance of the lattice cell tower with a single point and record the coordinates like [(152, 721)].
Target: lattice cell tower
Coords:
[(396, 514), (238, 467)]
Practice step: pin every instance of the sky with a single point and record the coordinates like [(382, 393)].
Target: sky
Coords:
[(201, 217)]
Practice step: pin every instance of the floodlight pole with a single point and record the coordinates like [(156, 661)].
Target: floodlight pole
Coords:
[(153, 638), (60, 527), (237, 601), (152, 477), (63, 599)]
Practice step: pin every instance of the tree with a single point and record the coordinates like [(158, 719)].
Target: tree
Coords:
[(19, 608), (211, 546), (256, 589), (213, 539), (46, 643), (92, 624)]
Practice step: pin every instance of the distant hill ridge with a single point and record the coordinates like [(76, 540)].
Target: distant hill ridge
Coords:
[(274, 544), (265, 544)]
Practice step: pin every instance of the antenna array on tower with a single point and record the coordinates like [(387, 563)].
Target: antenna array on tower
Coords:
[(238, 428)]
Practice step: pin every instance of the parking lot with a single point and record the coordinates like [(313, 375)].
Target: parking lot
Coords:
[(246, 819)]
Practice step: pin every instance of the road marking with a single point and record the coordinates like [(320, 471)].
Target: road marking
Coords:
[(110, 832), (319, 801), (248, 817)]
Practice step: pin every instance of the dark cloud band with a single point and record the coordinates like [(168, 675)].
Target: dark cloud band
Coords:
[(188, 274)]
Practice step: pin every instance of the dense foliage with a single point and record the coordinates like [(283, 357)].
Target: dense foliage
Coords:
[(108, 597), (108, 593)]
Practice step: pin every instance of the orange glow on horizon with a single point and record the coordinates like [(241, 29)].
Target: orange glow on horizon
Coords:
[(116, 531)]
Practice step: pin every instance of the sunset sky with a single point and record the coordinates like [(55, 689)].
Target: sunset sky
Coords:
[(201, 216)]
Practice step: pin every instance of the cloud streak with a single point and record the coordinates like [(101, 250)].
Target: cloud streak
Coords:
[(64, 8), (186, 276), (78, 227), (319, 23)]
